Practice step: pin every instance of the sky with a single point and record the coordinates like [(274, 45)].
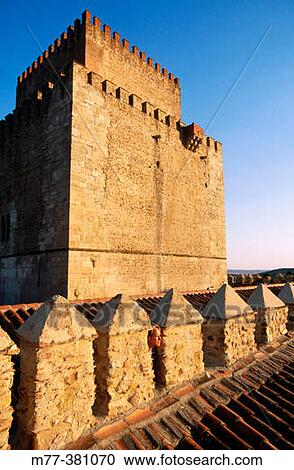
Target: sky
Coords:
[(235, 56)]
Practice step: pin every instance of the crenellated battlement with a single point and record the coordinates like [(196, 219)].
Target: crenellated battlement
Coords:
[(115, 39), (53, 62), (66, 42), (32, 108), (134, 357), (98, 135), (74, 44), (191, 135)]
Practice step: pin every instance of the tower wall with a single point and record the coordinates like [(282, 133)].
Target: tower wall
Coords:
[(103, 189), (144, 210), (34, 187)]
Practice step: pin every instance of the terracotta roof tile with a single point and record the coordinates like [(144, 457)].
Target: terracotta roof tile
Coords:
[(200, 299), (109, 429), (136, 442), (163, 403), (139, 415), (121, 445), (250, 409), (184, 390), (149, 303), (161, 437)]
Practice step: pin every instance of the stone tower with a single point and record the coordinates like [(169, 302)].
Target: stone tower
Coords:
[(103, 189)]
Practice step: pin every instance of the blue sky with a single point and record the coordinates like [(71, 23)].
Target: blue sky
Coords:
[(206, 43)]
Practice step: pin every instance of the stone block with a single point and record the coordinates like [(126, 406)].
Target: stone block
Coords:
[(124, 375), (7, 349), (122, 95), (228, 328), (179, 357), (57, 386)]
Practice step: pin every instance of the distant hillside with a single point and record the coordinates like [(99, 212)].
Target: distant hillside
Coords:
[(248, 277), (244, 271), (271, 272), (274, 272)]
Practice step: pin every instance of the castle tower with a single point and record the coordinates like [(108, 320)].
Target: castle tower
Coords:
[(103, 189)]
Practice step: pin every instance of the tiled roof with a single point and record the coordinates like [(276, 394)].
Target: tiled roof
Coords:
[(245, 292), (89, 309), (249, 406), (200, 299), (13, 316), (149, 303)]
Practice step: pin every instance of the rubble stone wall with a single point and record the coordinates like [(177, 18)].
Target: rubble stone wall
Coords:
[(6, 380), (290, 322), (180, 358), (271, 323), (239, 338), (213, 343), (226, 341), (276, 320), (124, 374), (57, 393)]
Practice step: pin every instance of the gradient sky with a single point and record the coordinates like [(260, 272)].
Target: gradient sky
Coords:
[(206, 43)]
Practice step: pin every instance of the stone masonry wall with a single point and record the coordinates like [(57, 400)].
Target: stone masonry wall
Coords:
[(34, 187), (290, 323), (271, 324), (213, 342), (180, 358), (239, 338), (85, 168), (226, 341), (7, 348), (53, 403), (109, 57), (123, 176), (124, 375), (276, 320)]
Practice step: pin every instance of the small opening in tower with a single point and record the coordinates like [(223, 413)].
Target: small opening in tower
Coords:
[(158, 163), (4, 228)]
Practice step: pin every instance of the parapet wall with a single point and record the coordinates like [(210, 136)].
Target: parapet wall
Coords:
[(53, 62), (83, 365), (113, 59), (7, 349), (136, 168), (105, 54)]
